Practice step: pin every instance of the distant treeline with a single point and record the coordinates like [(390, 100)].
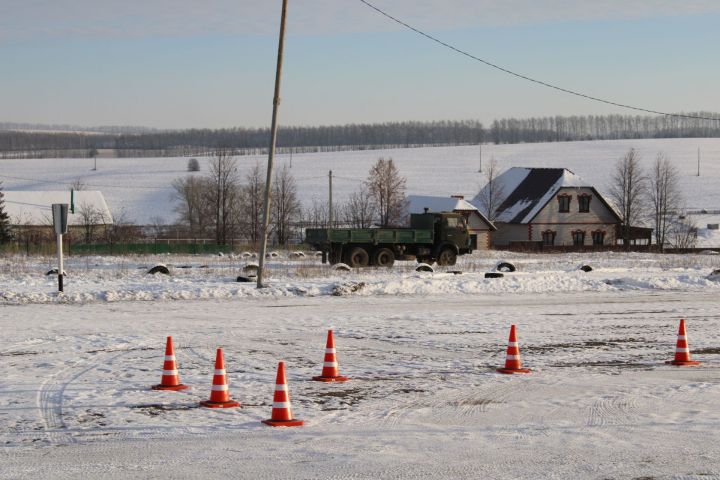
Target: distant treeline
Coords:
[(16, 143)]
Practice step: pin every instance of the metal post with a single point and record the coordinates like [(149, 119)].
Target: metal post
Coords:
[(271, 154), (330, 206), (60, 262)]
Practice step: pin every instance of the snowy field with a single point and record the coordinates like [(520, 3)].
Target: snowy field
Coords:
[(141, 187), (424, 400)]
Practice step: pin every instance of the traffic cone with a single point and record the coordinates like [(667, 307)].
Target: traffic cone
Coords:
[(512, 358), (682, 351), (219, 395), (330, 372), (170, 379), (281, 413)]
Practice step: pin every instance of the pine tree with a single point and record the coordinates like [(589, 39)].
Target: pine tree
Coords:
[(4, 219)]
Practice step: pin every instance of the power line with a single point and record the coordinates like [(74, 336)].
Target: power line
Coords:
[(530, 79)]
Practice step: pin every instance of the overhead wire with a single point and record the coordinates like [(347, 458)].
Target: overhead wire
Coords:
[(531, 79)]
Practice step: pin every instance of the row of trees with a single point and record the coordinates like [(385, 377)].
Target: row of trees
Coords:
[(358, 136), (227, 206), (602, 127)]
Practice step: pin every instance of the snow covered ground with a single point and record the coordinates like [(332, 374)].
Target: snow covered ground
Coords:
[(421, 349), (124, 278)]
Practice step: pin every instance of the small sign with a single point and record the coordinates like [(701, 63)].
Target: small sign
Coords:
[(60, 217)]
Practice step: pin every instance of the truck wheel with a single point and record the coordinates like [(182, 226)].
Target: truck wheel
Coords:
[(447, 257), (358, 257), (384, 257)]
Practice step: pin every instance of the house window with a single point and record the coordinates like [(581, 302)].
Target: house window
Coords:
[(564, 203), (578, 237), (598, 237), (548, 238), (584, 203)]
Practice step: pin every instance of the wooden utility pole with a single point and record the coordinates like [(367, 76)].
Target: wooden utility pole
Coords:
[(271, 154), (480, 147), (698, 162), (330, 206)]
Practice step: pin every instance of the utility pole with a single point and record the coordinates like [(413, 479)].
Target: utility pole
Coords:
[(271, 154), (330, 206), (480, 139), (291, 157), (480, 147), (698, 162)]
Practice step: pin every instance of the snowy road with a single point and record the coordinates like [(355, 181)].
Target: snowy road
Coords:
[(423, 402)]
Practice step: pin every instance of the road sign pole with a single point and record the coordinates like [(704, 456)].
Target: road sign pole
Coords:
[(60, 262), (60, 220)]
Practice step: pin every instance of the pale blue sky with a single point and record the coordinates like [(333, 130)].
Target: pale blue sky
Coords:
[(183, 63)]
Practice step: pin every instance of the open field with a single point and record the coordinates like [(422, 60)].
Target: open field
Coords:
[(141, 187), (423, 401)]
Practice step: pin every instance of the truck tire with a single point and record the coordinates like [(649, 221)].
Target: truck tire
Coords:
[(358, 257), (384, 257), (447, 257)]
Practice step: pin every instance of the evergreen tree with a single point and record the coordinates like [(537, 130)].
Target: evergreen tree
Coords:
[(4, 219)]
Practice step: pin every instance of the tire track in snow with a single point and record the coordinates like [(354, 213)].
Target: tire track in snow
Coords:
[(613, 410)]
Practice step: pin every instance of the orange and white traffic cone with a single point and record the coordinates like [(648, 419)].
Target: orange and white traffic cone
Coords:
[(330, 371), (281, 412), (512, 358), (219, 395), (170, 379), (682, 351)]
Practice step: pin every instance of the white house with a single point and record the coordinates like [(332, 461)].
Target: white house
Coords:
[(551, 206), (478, 225)]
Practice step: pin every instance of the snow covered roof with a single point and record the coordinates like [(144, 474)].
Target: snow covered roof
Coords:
[(34, 207), (527, 191), (418, 204)]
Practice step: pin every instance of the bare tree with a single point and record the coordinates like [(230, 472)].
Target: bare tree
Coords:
[(664, 195), (190, 193), (285, 205), (492, 195), (360, 210), (78, 184), (683, 231), (122, 230), (317, 215), (627, 190), (251, 204), (223, 195), (387, 189), (91, 218)]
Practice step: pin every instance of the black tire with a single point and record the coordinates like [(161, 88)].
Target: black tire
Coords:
[(358, 257), (383, 257), (505, 267), (428, 260), (447, 257)]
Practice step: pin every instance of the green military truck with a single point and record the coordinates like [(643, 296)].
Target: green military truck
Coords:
[(432, 237)]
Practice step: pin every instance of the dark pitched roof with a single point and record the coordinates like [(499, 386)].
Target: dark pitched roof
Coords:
[(529, 193)]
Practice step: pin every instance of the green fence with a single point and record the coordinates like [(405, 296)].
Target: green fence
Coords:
[(147, 248)]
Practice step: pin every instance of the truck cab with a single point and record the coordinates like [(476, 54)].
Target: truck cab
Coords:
[(450, 234)]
